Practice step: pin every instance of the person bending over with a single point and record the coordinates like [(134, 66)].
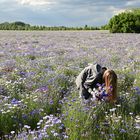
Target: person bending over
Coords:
[(88, 80)]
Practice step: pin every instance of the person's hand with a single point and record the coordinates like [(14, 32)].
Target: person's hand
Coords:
[(98, 96), (93, 96)]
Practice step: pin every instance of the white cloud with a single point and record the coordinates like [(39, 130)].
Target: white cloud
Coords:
[(132, 3), (118, 11), (36, 2), (115, 10)]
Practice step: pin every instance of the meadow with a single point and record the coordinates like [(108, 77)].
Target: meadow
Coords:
[(38, 95)]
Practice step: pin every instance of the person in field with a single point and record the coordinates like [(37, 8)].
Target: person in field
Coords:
[(88, 80), (97, 82)]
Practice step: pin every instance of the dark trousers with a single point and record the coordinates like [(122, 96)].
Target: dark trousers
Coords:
[(84, 93)]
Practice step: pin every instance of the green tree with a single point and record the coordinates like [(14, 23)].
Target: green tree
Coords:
[(126, 22)]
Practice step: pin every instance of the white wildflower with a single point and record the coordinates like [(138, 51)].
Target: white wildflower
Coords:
[(12, 132), (112, 110)]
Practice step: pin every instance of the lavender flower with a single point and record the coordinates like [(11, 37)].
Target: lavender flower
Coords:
[(123, 131), (137, 90), (14, 101)]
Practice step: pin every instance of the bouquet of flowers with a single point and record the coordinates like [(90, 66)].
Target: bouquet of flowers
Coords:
[(100, 93)]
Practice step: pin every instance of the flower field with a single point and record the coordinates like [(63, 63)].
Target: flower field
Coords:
[(38, 95)]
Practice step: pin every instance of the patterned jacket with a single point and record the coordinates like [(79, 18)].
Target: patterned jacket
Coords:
[(89, 77)]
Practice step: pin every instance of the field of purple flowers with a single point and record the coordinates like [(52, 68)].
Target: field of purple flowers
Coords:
[(38, 95)]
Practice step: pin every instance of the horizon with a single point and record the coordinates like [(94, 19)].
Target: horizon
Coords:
[(68, 13), (48, 26)]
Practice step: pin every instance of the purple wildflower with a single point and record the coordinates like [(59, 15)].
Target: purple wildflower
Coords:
[(56, 121), (137, 90), (14, 101), (24, 116), (103, 94), (123, 131), (42, 89), (22, 73), (51, 102), (33, 112)]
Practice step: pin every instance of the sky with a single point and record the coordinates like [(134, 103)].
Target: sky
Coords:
[(63, 12)]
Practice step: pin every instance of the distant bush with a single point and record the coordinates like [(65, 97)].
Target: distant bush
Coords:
[(104, 27), (126, 22)]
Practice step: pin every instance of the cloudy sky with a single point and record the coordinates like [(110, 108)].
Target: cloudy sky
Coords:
[(63, 12)]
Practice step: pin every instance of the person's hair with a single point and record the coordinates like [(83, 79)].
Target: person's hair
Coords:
[(104, 68), (110, 79)]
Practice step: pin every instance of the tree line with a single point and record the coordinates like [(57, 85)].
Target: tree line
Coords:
[(18, 25), (126, 22)]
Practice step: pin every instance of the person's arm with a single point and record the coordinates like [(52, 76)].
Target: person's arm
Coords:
[(81, 78), (91, 84)]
